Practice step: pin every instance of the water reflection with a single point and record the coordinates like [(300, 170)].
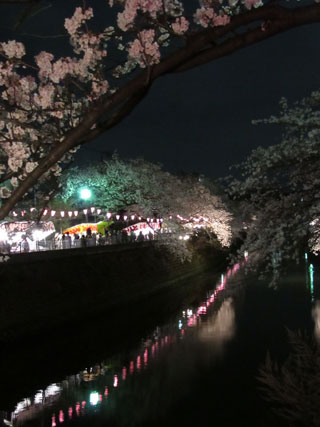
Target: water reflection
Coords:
[(220, 328), (316, 318), (79, 394)]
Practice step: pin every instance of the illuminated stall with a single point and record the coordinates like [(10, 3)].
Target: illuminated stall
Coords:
[(35, 233)]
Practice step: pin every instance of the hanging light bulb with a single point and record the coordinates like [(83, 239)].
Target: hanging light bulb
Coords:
[(53, 213), (98, 211), (117, 217), (125, 217), (62, 213), (108, 215), (85, 211), (70, 213), (132, 217), (45, 212), (75, 213), (92, 209)]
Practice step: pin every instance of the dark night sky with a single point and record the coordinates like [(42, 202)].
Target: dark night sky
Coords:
[(200, 120)]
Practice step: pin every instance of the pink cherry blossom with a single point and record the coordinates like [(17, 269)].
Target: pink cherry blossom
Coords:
[(13, 49), (44, 62), (45, 97), (144, 49), (126, 18), (181, 25), (252, 3), (207, 17), (79, 17)]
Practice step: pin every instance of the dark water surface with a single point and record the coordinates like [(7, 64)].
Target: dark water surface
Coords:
[(197, 368)]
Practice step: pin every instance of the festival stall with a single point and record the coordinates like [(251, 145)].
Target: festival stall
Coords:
[(82, 228), (144, 227), (12, 234)]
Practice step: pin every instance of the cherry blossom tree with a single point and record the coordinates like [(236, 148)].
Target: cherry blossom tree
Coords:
[(143, 188), (280, 189), (51, 106)]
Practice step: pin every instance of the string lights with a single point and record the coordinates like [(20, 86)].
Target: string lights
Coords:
[(107, 214)]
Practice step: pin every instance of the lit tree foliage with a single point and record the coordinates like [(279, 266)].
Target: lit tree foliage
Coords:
[(280, 188), (50, 106), (144, 188)]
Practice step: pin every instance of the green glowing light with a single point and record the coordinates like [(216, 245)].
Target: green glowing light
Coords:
[(94, 398), (311, 279), (85, 193)]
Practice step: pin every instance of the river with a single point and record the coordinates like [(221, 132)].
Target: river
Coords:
[(198, 366)]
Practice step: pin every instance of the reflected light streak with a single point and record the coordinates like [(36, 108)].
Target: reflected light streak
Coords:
[(70, 412), (316, 319), (145, 357), (138, 362), (124, 373), (78, 408), (115, 381)]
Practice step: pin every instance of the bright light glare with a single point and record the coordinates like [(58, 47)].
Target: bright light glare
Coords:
[(85, 193), (94, 398)]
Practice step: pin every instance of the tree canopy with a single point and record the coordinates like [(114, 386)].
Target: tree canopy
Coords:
[(280, 187), (51, 106), (143, 188)]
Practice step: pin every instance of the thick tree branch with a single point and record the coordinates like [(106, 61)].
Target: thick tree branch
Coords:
[(198, 51)]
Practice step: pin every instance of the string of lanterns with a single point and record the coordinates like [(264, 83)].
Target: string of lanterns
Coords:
[(51, 213)]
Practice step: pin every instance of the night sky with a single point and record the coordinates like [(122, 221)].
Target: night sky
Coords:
[(200, 120)]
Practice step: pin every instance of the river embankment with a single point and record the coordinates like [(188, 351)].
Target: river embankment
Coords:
[(48, 291)]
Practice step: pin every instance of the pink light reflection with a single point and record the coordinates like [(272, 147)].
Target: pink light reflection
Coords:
[(106, 391), (131, 369), (145, 357), (53, 422), (138, 362), (61, 417), (70, 411), (124, 373), (78, 408)]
